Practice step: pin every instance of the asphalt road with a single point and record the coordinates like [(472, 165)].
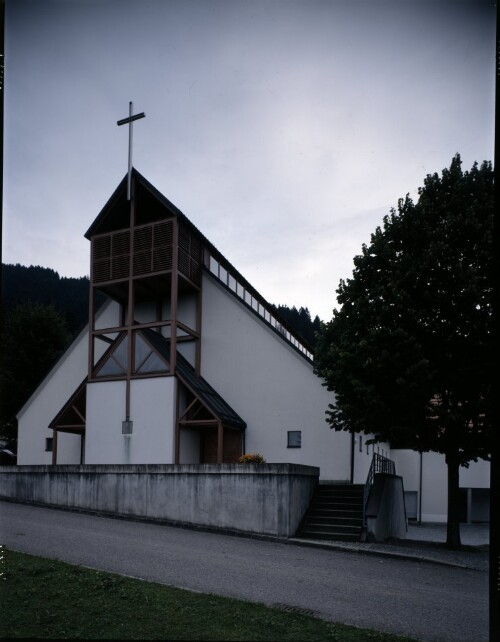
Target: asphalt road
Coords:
[(418, 599)]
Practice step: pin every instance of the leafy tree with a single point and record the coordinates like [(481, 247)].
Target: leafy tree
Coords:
[(33, 337), (409, 353)]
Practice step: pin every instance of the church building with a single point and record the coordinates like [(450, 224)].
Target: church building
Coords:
[(186, 363)]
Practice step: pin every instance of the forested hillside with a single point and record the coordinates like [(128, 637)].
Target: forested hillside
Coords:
[(69, 296)]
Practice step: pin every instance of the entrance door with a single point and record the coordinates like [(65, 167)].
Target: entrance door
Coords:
[(233, 444)]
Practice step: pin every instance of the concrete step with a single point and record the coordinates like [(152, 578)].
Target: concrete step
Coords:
[(313, 527), (339, 499), (330, 535), (318, 505), (345, 521), (335, 513)]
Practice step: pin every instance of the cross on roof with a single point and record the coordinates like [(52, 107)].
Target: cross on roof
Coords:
[(124, 121)]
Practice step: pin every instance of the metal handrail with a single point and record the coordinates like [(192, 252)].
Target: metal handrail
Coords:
[(379, 464)]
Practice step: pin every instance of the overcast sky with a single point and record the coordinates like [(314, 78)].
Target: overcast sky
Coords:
[(284, 130)]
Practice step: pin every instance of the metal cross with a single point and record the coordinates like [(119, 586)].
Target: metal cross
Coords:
[(124, 121)]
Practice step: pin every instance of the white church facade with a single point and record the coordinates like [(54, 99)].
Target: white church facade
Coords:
[(186, 363)]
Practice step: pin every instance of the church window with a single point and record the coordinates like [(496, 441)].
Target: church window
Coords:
[(223, 275), (214, 266), (116, 363), (146, 359), (49, 444)]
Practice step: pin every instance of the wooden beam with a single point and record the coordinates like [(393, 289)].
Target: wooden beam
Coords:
[(177, 440), (78, 413), (197, 361), (124, 328), (188, 408), (54, 447), (130, 307), (220, 443), (174, 291)]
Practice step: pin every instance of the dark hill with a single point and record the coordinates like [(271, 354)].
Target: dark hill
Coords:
[(36, 284)]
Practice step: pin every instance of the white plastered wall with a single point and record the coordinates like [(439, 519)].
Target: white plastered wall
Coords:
[(189, 448), (434, 487), (477, 475), (152, 410), (270, 385), (48, 399), (69, 448)]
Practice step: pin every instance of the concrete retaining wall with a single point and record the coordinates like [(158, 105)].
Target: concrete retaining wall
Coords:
[(385, 511), (268, 499)]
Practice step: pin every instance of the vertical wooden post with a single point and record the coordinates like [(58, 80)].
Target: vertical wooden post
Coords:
[(91, 317), (54, 447), (199, 300), (220, 443), (177, 425), (174, 288), (130, 306)]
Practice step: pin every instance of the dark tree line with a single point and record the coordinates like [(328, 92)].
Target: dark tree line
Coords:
[(300, 321), (41, 314), (69, 296)]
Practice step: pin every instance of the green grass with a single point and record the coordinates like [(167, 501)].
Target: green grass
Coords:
[(41, 598)]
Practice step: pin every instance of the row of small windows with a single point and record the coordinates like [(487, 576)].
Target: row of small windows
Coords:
[(229, 280)]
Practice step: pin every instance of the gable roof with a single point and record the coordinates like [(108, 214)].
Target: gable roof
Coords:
[(197, 384), (118, 199)]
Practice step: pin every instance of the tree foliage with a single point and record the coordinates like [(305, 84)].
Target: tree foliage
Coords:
[(33, 337), (409, 352), (69, 296)]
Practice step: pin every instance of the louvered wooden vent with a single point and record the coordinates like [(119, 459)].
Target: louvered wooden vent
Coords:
[(153, 248), (190, 252), (152, 253), (111, 257)]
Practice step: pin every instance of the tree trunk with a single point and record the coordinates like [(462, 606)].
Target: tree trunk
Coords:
[(453, 525)]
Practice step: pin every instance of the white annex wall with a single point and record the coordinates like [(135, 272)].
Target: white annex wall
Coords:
[(189, 450), (270, 385), (45, 403), (408, 466), (152, 408), (69, 448), (477, 475), (49, 398), (434, 484)]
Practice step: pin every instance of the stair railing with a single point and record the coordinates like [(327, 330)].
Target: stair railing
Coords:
[(380, 464)]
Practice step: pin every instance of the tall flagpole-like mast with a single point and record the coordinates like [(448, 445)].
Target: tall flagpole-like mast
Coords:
[(124, 121)]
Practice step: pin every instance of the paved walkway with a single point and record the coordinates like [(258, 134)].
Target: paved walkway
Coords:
[(424, 542), (431, 602)]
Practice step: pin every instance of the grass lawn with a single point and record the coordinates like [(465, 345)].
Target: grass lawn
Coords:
[(42, 598)]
